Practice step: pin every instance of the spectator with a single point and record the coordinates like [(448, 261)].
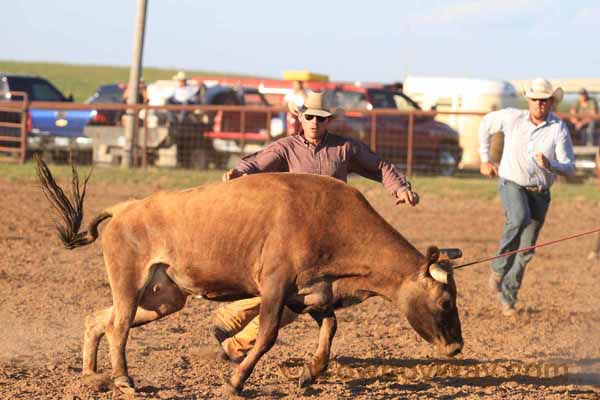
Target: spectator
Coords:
[(582, 116), (537, 147), (184, 94), (142, 98), (297, 95)]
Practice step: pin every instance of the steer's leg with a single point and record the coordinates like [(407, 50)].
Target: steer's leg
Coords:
[(160, 298), (94, 328), (328, 326), (273, 296)]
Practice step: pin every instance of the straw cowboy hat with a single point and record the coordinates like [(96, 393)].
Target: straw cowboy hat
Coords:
[(180, 76), (313, 105), (541, 88)]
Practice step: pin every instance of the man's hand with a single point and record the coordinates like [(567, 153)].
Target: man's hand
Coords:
[(407, 196), (488, 169), (232, 174), (542, 161)]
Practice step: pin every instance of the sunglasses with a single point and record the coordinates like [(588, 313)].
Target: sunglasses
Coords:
[(541, 100), (319, 119)]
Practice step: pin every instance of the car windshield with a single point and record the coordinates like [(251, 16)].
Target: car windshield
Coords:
[(346, 100), (254, 99), (389, 99), (403, 103), (107, 94)]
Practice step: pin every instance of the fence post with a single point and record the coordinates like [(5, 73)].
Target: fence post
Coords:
[(373, 135), (243, 131), (24, 118), (409, 155), (145, 142), (269, 115)]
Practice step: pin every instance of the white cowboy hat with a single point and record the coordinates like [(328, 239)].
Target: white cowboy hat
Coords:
[(180, 76), (541, 88), (313, 105)]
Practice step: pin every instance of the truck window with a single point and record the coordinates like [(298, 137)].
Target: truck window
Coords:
[(350, 100), (403, 104), (42, 91), (253, 99)]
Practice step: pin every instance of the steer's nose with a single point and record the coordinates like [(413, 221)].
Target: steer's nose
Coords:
[(454, 349)]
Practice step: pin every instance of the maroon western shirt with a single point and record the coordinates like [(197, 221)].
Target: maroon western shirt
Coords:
[(335, 156)]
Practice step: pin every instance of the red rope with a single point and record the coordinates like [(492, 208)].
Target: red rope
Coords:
[(527, 248)]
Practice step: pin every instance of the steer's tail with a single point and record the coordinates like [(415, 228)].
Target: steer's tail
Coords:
[(70, 209)]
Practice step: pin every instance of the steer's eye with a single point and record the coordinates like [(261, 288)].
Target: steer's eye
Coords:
[(446, 305)]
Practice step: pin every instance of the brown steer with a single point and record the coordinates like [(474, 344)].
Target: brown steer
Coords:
[(306, 241)]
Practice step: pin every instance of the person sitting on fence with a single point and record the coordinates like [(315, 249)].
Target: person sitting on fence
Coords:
[(582, 116), (184, 94), (142, 98)]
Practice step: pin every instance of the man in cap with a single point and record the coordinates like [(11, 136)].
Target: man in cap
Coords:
[(537, 147), (582, 116), (314, 150), (183, 94)]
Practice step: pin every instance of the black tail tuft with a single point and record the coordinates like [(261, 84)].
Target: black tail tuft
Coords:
[(70, 210)]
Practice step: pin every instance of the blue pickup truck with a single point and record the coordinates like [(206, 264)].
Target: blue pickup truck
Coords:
[(56, 131)]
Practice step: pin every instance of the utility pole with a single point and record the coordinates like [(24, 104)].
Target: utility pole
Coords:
[(134, 80)]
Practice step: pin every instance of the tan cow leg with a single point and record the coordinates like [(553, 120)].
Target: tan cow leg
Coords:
[(328, 326), (271, 308), (160, 298)]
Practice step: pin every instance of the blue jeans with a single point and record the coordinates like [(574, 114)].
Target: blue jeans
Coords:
[(525, 212), (589, 133)]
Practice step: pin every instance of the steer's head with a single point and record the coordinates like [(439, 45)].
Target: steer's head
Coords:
[(431, 304)]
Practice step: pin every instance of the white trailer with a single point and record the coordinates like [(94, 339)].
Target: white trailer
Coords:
[(465, 95)]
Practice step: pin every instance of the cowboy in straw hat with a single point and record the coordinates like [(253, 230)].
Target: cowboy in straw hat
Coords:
[(541, 88), (314, 150), (180, 76), (537, 147), (183, 94)]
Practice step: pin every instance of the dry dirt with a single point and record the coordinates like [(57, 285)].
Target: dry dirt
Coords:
[(46, 291)]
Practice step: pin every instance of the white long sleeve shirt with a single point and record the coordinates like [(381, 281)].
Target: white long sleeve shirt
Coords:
[(522, 140)]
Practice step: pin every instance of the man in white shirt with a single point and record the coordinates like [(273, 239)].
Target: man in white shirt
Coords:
[(183, 94), (537, 147)]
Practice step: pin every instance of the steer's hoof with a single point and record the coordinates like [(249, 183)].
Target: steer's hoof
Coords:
[(306, 379), (231, 391), (96, 381), (124, 384)]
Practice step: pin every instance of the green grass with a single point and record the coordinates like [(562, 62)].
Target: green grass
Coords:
[(82, 80), (462, 187)]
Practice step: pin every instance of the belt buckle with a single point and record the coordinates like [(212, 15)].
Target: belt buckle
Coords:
[(535, 188)]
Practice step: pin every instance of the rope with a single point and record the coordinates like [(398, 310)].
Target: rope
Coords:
[(527, 248)]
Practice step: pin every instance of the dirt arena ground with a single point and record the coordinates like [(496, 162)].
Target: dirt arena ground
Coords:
[(552, 350)]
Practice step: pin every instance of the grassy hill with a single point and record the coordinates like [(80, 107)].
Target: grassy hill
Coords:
[(82, 80)]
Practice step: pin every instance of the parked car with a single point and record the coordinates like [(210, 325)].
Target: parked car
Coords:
[(435, 145), (110, 93), (56, 131)]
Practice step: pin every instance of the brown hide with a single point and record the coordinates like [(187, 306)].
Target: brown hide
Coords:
[(219, 241)]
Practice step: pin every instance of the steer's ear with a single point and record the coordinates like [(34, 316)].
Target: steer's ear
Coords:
[(433, 253)]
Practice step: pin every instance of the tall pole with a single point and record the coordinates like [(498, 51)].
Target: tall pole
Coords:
[(134, 80)]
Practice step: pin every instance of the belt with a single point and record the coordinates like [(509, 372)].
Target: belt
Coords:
[(535, 189)]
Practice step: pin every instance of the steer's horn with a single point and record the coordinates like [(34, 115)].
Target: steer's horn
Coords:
[(438, 273)]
